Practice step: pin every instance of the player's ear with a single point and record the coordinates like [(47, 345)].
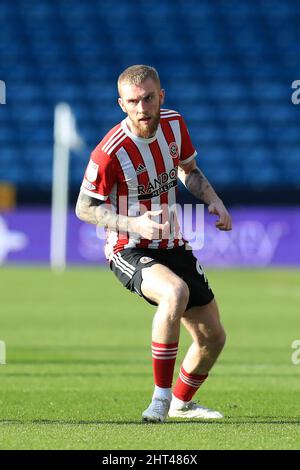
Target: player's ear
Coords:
[(121, 104), (162, 95)]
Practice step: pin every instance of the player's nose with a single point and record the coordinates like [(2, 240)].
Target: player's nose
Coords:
[(142, 107)]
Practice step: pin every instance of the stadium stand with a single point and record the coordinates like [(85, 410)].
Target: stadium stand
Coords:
[(227, 67)]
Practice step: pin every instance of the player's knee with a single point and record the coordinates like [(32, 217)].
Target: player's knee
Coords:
[(177, 296), (218, 339), (181, 295)]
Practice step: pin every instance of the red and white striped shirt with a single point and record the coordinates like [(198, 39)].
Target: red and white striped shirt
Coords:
[(135, 174)]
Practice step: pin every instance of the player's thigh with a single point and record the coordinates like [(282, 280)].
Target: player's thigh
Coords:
[(204, 323), (159, 282)]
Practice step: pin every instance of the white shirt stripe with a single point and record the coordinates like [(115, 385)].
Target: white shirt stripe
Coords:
[(188, 160), (111, 148), (163, 116), (91, 194), (175, 126), (112, 138), (169, 165), (152, 173), (167, 111), (132, 184)]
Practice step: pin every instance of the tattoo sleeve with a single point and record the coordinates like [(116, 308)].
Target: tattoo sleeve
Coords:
[(198, 185), (97, 212)]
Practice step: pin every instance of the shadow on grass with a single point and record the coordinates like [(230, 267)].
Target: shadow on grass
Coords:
[(227, 421)]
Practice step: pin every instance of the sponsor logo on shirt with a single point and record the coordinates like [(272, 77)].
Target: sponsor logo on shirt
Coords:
[(159, 185)]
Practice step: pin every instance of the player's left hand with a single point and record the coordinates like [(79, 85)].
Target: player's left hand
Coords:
[(218, 208)]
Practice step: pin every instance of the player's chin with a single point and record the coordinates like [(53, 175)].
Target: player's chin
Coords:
[(147, 129)]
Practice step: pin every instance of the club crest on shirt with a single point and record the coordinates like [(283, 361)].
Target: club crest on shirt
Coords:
[(92, 171), (145, 260), (173, 149)]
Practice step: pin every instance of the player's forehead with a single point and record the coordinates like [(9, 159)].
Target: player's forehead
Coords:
[(132, 91)]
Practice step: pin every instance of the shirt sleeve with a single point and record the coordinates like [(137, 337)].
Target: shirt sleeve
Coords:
[(188, 151), (100, 175)]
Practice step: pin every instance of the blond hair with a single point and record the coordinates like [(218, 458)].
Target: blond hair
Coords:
[(137, 74)]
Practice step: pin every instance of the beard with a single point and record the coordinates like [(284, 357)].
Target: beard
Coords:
[(146, 129)]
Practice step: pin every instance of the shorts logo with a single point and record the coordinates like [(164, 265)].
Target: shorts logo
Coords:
[(161, 184), (199, 268), (92, 171), (145, 260), (201, 272), (86, 184), (173, 149)]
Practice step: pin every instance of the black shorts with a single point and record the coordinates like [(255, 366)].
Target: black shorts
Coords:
[(128, 264)]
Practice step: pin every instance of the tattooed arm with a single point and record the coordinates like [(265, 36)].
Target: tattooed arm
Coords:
[(196, 182), (94, 211)]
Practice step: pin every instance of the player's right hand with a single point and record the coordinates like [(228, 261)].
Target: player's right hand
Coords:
[(149, 229)]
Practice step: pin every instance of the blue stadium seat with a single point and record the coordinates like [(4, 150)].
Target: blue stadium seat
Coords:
[(226, 68)]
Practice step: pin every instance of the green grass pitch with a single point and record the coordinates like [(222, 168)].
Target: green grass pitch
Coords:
[(79, 364)]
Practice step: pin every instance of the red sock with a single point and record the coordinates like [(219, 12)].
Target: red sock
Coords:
[(187, 385), (163, 362)]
